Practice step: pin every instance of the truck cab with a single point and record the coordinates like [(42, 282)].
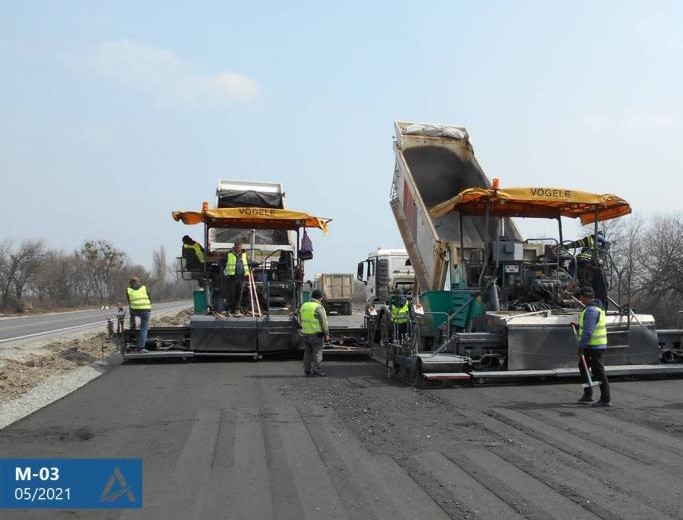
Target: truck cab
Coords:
[(383, 271)]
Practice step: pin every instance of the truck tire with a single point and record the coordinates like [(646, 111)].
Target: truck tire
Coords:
[(348, 310), (385, 328)]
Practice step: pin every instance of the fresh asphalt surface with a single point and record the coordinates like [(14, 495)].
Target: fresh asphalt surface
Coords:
[(29, 327), (256, 440)]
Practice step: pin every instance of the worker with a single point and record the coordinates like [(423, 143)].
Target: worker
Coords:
[(139, 304), (193, 253), (587, 271), (587, 244), (120, 318), (315, 332), (399, 307), (592, 346), (236, 272)]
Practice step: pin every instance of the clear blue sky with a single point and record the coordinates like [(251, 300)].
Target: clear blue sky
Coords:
[(114, 114)]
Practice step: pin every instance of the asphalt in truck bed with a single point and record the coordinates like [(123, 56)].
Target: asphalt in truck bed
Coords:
[(256, 440)]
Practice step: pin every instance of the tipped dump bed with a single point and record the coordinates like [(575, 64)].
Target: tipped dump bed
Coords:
[(433, 164)]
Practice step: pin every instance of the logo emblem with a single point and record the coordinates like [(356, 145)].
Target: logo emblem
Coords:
[(108, 495)]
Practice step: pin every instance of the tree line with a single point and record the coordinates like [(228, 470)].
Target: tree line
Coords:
[(647, 265), (97, 273)]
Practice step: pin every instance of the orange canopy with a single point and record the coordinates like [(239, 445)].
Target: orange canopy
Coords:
[(248, 217), (535, 203)]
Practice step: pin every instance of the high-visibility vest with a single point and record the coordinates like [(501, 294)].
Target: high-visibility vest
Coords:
[(309, 319), (599, 337), (197, 251), (587, 249), (231, 265), (139, 299), (400, 314)]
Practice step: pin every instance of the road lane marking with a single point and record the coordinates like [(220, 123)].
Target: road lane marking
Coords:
[(99, 322), (52, 331)]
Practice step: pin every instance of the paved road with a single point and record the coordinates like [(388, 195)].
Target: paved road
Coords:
[(255, 440), (27, 327)]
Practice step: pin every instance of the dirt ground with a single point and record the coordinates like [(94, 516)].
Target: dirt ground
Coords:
[(18, 376)]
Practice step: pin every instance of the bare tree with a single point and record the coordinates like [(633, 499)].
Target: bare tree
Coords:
[(17, 267), (5, 278), (626, 245), (159, 267), (25, 263), (661, 268), (101, 259), (56, 281)]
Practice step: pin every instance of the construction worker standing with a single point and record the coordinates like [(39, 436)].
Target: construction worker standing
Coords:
[(140, 304), (314, 331), (399, 307), (592, 346), (236, 271)]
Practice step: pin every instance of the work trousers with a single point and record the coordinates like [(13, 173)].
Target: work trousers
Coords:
[(398, 330), (592, 276), (144, 325), (234, 289), (593, 359), (313, 352)]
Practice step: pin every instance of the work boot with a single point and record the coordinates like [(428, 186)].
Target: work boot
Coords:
[(319, 374), (602, 403), (307, 374), (585, 399)]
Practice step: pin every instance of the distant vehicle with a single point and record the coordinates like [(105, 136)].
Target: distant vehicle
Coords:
[(337, 290)]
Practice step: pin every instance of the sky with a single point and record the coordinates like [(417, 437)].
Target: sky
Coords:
[(114, 114)]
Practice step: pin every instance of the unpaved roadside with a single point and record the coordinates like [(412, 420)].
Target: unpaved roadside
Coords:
[(36, 373)]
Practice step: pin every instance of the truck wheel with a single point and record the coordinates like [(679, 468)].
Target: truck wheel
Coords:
[(416, 378), (385, 329), (374, 326), (389, 362), (348, 310)]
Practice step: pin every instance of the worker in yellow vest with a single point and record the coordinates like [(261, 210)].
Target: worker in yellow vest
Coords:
[(314, 331), (399, 307), (236, 272), (193, 253), (140, 305), (592, 346)]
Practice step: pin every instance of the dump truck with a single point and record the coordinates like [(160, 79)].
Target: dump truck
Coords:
[(489, 303), (337, 289)]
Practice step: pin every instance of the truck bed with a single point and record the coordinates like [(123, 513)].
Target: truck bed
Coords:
[(433, 164)]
